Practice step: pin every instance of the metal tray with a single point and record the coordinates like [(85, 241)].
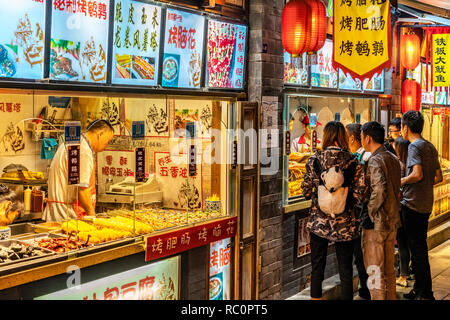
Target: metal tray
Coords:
[(30, 239), (8, 243)]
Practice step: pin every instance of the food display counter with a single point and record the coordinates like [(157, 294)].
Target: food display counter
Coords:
[(169, 177), (305, 116)]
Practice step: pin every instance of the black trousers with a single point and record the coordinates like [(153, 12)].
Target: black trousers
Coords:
[(403, 247), (344, 254), (359, 262), (416, 227)]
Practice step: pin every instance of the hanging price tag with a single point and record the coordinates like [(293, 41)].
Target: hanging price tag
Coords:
[(234, 155), (140, 164), (287, 139), (138, 130), (73, 164), (314, 140), (72, 132), (192, 161)]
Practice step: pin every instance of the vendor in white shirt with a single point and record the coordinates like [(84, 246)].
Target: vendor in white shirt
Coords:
[(303, 143), (71, 202)]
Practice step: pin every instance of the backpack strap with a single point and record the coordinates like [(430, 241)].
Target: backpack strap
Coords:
[(318, 169)]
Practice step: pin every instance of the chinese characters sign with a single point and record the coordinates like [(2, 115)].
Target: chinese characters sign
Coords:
[(136, 44), (140, 164), (155, 281), (183, 48), (22, 39), (322, 72), (79, 40), (220, 270), (73, 164), (226, 54), (361, 32), (441, 60), (169, 243)]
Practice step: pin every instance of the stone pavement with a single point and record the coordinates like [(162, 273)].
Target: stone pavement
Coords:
[(440, 272)]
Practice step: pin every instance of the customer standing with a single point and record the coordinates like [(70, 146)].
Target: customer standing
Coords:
[(422, 172), (354, 144), (382, 220), (401, 149), (393, 133), (334, 163)]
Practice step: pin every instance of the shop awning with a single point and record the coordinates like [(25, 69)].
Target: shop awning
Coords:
[(436, 7)]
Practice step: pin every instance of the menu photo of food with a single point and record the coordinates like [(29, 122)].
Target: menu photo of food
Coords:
[(216, 287), (65, 60), (8, 59), (182, 117), (171, 70), (134, 67)]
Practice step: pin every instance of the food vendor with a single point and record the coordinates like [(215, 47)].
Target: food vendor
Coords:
[(303, 143), (70, 202)]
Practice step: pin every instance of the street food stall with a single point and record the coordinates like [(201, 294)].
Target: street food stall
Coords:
[(164, 186)]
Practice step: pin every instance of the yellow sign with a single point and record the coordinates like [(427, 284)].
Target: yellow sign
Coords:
[(441, 60), (361, 37)]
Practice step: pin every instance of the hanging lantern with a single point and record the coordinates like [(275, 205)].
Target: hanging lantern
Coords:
[(293, 26), (410, 51), (316, 26), (411, 95)]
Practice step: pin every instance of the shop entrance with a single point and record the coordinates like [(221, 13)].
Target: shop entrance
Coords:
[(248, 200)]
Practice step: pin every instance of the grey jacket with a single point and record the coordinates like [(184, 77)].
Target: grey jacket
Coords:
[(383, 178)]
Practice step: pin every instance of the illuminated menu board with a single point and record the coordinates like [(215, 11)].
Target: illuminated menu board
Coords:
[(136, 47), (374, 84), (79, 40), (427, 96), (22, 38), (183, 49), (295, 69), (346, 82), (226, 54), (323, 74)]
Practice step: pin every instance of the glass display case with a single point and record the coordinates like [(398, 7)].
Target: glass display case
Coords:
[(163, 168), (305, 116)]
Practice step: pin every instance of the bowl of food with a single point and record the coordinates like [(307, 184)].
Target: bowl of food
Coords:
[(170, 69), (215, 288)]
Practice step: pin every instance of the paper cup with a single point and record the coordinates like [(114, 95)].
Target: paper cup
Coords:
[(5, 233)]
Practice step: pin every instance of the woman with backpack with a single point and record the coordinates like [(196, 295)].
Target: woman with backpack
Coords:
[(334, 180), (401, 149)]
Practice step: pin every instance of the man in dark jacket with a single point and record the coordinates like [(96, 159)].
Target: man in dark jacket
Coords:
[(378, 235)]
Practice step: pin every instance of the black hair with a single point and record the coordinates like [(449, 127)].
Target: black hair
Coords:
[(414, 121), (354, 129), (100, 124), (401, 149), (396, 122), (375, 130)]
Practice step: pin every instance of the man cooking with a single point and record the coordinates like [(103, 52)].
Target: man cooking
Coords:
[(71, 202)]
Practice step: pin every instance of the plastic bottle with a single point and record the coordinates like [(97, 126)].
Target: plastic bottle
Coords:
[(27, 199)]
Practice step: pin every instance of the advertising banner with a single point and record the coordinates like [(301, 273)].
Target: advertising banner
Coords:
[(362, 37), (136, 46), (79, 40), (295, 69), (226, 54), (220, 270), (155, 281), (441, 60), (323, 74), (183, 49), (22, 39)]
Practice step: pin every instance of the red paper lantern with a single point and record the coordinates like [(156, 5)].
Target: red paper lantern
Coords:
[(410, 51), (294, 26), (316, 26), (411, 95)]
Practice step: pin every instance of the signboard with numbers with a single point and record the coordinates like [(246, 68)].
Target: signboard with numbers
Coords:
[(169, 243), (183, 49), (22, 38), (79, 40), (226, 54), (362, 37), (136, 44)]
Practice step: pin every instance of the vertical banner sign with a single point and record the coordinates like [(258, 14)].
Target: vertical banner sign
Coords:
[(314, 140), (79, 40), (22, 38), (140, 164), (234, 155), (362, 37), (73, 164), (183, 49), (192, 161), (287, 140), (441, 60), (220, 270), (137, 30)]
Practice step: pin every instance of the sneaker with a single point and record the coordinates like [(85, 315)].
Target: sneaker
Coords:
[(412, 295)]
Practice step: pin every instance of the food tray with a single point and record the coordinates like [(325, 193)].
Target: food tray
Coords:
[(8, 243), (51, 227), (30, 239)]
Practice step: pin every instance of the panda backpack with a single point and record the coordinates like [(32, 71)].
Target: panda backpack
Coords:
[(333, 190)]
